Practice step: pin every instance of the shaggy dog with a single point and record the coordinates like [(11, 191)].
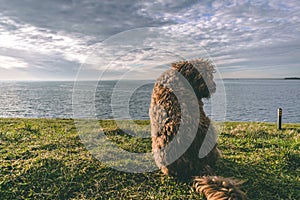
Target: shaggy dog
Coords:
[(166, 116)]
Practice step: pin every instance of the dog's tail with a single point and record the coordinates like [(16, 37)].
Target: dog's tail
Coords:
[(219, 188)]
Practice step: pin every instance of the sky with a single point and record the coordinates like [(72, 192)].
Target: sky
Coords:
[(55, 39)]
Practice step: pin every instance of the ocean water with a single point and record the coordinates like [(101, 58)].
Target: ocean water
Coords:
[(246, 99)]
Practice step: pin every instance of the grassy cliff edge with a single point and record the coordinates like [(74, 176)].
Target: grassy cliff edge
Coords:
[(45, 159)]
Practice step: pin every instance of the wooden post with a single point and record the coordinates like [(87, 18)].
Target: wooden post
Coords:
[(279, 119)]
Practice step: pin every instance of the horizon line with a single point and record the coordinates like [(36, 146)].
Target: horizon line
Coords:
[(72, 80)]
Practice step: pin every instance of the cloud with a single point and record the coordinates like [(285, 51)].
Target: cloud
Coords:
[(55, 36), (88, 17), (22, 36), (250, 34), (7, 62)]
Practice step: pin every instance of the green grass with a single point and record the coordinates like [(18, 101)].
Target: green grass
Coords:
[(45, 159)]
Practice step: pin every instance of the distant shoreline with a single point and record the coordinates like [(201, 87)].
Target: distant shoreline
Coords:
[(292, 78)]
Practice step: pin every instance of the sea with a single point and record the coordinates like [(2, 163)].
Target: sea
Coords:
[(240, 99)]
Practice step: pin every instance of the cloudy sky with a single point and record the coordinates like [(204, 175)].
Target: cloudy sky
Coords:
[(51, 39)]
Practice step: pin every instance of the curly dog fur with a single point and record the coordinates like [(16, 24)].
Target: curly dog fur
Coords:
[(217, 187), (165, 116)]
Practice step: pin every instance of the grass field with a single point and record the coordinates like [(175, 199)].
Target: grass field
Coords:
[(45, 159)]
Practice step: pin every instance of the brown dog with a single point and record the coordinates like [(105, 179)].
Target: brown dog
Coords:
[(175, 107)]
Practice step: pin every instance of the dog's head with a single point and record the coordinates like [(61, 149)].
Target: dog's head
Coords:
[(199, 73)]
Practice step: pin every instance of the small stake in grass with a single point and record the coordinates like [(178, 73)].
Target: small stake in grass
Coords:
[(279, 119)]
